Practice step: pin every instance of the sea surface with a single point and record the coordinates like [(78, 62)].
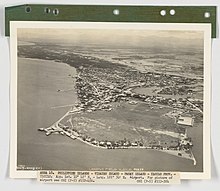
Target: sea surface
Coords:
[(39, 85)]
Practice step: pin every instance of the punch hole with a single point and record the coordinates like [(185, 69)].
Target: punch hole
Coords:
[(172, 12), (47, 10), (116, 12), (56, 12), (207, 15), (163, 12), (28, 9)]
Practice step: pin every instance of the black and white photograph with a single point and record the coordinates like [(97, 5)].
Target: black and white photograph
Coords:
[(110, 96)]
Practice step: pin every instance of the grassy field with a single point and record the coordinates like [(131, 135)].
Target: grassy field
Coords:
[(131, 122)]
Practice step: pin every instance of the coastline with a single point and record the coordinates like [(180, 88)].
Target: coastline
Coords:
[(58, 130), (168, 152), (171, 152), (177, 153)]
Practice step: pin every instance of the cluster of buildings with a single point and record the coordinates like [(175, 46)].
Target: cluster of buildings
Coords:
[(99, 85), (97, 89)]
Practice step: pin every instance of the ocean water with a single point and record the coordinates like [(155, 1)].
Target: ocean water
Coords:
[(38, 85)]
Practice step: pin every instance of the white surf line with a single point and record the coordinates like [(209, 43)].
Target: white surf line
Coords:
[(193, 158)]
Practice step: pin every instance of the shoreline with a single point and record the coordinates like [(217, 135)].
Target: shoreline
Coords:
[(171, 152), (55, 129), (41, 59), (176, 153)]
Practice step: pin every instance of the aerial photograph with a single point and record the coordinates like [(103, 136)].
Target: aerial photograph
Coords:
[(110, 99)]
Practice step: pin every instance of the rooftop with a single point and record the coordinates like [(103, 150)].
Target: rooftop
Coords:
[(188, 121)]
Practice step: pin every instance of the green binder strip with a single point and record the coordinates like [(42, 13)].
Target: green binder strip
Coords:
[(109, 13)]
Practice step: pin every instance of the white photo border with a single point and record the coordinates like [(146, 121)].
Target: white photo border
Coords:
[(206, 28)]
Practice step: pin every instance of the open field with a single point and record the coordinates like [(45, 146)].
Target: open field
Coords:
[(140, 122)]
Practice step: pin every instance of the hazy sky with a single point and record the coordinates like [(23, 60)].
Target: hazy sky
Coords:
[(113, 38)]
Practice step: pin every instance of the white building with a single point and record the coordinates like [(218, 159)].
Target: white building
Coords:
[(188, 121)]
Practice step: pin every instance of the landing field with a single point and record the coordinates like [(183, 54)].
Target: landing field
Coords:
[(140, 122)]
